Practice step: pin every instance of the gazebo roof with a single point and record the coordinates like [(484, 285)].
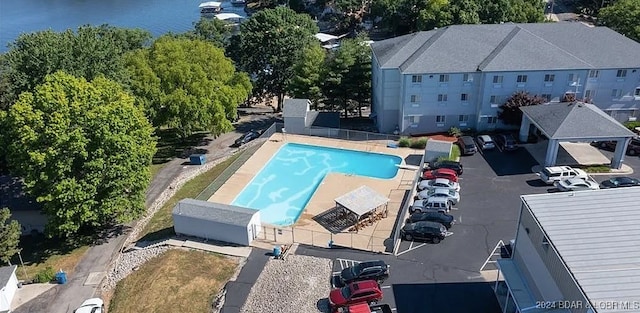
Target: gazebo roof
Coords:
[(362, 200), (574, 120)]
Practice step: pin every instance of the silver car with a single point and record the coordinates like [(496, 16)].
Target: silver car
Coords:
[(485, 142), (451, 195)]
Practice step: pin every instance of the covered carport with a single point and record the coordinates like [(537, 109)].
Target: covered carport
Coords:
[(361, 203), (574, 121)]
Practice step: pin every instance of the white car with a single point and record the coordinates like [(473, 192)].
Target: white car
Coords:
[(552, 174), (93, 305), (451, 195), (575, 184), (485, 142), (438, 183)]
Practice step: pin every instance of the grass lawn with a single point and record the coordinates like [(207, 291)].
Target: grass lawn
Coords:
[(177, 281), (38, 253), (161, 224)]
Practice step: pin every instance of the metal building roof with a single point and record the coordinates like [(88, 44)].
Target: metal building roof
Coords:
[(5, 274), (597, 235), (362, 200), (574, 120), (216, 212)]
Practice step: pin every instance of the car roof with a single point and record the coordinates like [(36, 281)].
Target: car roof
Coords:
[(445, 171), (440, 190), (441, 181), (428, 224), (575, 180), (485, 137), (372, 263), (364, 284), (625, 179), (558, 169)]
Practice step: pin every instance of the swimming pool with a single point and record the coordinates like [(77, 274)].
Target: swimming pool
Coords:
[(286, 183)]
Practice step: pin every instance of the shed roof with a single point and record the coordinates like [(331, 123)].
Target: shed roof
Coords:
[(507, 47), (216, 212), (296, 107), (226, 16), (438, 146), (574, 120), (597, 236), (5, 274), (362, 200)]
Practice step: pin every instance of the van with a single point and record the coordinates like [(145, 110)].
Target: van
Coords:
[(467, 146)]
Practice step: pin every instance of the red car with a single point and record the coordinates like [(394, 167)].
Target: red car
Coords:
[(356, 292), (441, 173)]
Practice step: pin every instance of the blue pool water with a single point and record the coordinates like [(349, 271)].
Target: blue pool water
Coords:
[(285, 184)]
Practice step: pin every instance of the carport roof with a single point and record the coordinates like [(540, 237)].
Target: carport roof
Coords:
[(5, 274), (574, 120), (213, 211), (362, 200), (597, 237)]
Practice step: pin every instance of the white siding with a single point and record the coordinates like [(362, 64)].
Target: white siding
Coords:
[(294, 125), (254, 228), (7, 293), (210, 230)]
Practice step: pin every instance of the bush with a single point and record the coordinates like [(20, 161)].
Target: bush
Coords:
[(598, 169), (418, 143), (632, 125), (455, 132), (404, 142), (46, 275)]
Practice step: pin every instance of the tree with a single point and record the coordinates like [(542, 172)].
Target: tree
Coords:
[(83, 150), (9, 236), (212, 30), (88, 53), (623, 17), (510, 113), (307, 73), (270, 43), (436, 13), (359, 75), (464, 12), (188, 85)]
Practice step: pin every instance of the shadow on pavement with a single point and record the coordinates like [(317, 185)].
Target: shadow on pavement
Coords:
[(467, 297), (510, 163)]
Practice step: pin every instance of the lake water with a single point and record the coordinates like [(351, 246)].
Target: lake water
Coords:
[(155, 16)]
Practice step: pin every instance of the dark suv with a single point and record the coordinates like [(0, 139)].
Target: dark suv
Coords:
[(467, 145), (632, 149), (432, 231), (369, 270), (506, 142), (453, 165), (432, 216)]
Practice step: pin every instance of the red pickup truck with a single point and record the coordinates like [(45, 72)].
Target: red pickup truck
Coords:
[(366, 308)]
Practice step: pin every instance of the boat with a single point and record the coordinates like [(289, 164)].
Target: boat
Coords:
[(211, 7), (238, 3)]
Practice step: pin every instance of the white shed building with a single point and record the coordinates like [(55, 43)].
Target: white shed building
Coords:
[(436, 149), (216, 221), (297, 115), (8, 286)]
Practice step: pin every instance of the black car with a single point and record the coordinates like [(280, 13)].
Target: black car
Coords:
[(453, 165), (632, 149), (620, 182), (248, 136), (432, 231), (506, 142), (369, 270), (432, 216)]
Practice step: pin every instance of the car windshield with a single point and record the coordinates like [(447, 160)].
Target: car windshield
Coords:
[(452, 193), (346, 292)]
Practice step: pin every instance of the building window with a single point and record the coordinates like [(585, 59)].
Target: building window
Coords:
[(414, 119), (549, 78), (594, 73), (467, 78), (522, 78), (440, 118), (616, 93), (589, 94), (464, 97), (621, 73), (415, 98), (416, 79), (637, 92), (497, 79), (495, 100), (463, 118), (442, 98), (572, 78), (546, 97), (444, 78), (492, 120)]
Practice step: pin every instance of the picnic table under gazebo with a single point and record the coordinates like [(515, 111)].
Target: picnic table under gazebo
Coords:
[(361, 203)]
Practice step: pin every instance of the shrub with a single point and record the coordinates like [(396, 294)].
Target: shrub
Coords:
[(597, 169), (632, 125), (419, 143), (455, 132), (45, 275), (404, 142)]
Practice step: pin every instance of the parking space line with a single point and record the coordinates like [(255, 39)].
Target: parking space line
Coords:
[(412, 248), (385, 287), (393, 309)]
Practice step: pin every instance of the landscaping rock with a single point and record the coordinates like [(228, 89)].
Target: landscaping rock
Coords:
[(129, 262)]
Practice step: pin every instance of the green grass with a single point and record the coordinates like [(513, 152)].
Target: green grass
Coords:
[(161, 224), (455, 152), (597, 169), (39, 252)]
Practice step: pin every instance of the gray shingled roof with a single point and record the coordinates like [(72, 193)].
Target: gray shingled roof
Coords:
[(508, 47), (596, 234), (217, 212), (5, 274), (574, 120), (295, 107), (438, 146)]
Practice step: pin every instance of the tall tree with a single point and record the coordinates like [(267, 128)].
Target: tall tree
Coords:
[(9, 236), (623, 16), (464, 11), (212, 30), (83, 150), (307, 74), (510, 113), (436, 13), (270, 43), (188, 85), (359, 75)]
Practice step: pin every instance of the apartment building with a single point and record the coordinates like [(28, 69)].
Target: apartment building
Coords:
[(459, 75)]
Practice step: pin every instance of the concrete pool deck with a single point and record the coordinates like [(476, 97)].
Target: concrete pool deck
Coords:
[(308, 231)]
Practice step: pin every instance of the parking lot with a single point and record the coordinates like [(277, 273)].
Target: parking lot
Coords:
[(446, 277)]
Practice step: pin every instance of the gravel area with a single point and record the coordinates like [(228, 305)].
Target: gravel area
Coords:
[(297, 284), (128, 262)]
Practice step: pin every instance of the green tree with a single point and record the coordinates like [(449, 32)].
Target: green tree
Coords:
[(464, 11), (9, 236), (510, 113), (436, 13), (307, 75), (83, 150), (359, 75), (212, 30), (623, 16), (270, 43), (89, 52), (188, 85)]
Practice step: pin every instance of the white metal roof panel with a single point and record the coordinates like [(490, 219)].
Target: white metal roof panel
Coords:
[(597, 235), (362, 200)]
